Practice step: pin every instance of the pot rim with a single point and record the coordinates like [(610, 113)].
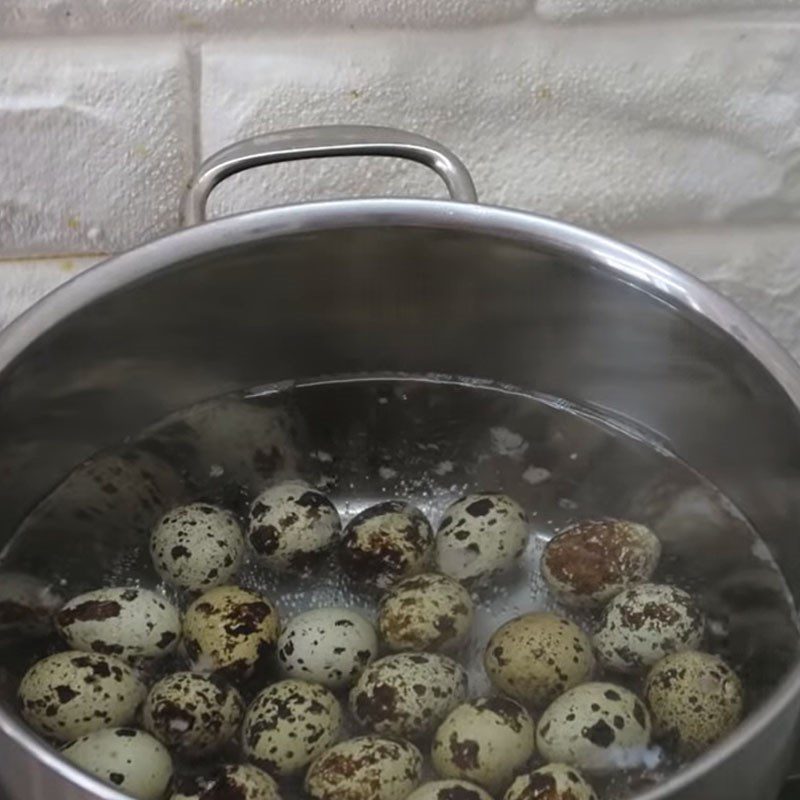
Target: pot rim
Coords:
[(645, 271)]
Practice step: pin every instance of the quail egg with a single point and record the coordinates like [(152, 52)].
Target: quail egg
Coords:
[(538, 656), (645, 623), (592, 561), (27, 605), (486, 741), (385, 543), (192, 714), (232, 781), (366, 768), (449, 790), (197, 547), (229, 630), (126, 622), (72, 694), (597, 727), (425, 612), (127, 759), (407, 694), (551, 782), (292, 526), (331, 646), (288, 725), (695, 699), (480, 535)]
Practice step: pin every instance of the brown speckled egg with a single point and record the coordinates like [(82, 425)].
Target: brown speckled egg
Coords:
[(695, 699), (425, 612), (645, 623), (481, 535), (232, 781), (538, 656), (288, 725), (72, 694), (229, 630), (597, 727), (385, 543), (449, 790), (551, 782), (129, 623), (592, 561), (366, 768), (407, 694), (292, 526), (486, 741), (197, 547), (130, 760), (192, 714)]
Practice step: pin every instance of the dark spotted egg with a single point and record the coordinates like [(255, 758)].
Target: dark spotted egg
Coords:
[(288, 725), (596, 727), (486, 741), (127, 622), (551, 782), (407, 694), (197, 547), (292, 526), (481, 535), (385, 543), (231, 781), (449, 790), (72, 694), (193, 715)]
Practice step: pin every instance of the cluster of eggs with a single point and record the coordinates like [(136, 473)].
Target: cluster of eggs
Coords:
[(548, 729)]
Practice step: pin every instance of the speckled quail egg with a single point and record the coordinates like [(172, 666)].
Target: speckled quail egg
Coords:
[(385, 543), (229, 782), (538, 656), (288, 725), (27, 606), (486, 741), (592, 561), (292, 526), (126, 622), (695, 699), (72, 694), (449, 790), (408, 694), (480, 535), (425, 612), (127, 759), (331, 646), (197, 547), (645, 623), (551, 782), (229, 630), (192, 714), (597, 727), (366, 768)]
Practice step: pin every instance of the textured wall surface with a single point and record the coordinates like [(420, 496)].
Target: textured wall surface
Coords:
[(674, 124)]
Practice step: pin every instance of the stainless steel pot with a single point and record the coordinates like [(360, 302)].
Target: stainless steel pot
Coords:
[(412, 286)]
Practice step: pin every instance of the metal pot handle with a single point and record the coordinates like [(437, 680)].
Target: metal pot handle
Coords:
[(322, 142)]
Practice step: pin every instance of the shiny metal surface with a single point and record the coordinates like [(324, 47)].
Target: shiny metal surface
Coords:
[(417, 287), (324, 142)]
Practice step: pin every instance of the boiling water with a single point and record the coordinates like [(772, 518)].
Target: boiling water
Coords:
[(429, 440)]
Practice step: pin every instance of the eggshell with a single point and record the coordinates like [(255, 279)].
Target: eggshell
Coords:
[(536, 657), (594, 560), (366, 768), (449, 790), (330, 646), (425, 612), (127, 622), (481, 535), (71, 694), (232, 781), (551, 782)]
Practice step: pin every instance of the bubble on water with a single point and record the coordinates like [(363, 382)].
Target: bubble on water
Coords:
[(535, 475)]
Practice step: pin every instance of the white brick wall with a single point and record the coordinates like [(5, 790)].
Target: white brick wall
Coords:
[(670, 123)]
